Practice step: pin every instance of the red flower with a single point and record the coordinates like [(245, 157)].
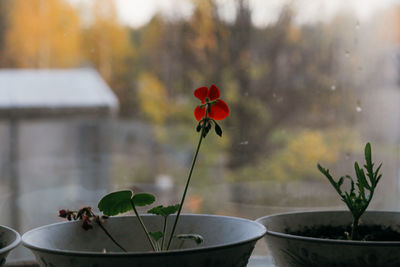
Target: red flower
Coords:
[(217, 109)]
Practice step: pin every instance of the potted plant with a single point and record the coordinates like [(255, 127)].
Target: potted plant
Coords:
[(9, 239), (149, 240), (338, 238)]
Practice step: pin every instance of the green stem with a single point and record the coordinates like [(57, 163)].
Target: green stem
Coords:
[(108, 234), (157, 246), (187, 183), (163, 237), (142, 224), (354, 229)]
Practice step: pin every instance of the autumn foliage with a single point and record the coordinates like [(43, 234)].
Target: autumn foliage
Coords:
[(277, 77)]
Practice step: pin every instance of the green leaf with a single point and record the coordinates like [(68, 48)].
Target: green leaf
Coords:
[(340, 182), (368, 153), (330, 178), (377, 170), (156, 235), (325, 172), (164, 211), (352, 189), (156, 210), (143, 199), (218, 129), (361, 176), (377, 179), (368, 160), (195, 237), (116, 202)]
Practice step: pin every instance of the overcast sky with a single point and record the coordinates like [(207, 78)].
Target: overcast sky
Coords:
[(138, 12)]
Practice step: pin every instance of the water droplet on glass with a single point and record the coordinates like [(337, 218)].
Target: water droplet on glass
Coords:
[(244, 143), (347, 155), (357, 25), (358, 109), (347, 53), (333, 87)]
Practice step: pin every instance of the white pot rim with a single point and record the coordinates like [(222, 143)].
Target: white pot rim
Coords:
[(255, 237), (13, 244), (326, 240)]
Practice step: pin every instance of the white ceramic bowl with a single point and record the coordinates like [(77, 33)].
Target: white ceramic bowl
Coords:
[(228, 241), (9, 239), (295, 250)]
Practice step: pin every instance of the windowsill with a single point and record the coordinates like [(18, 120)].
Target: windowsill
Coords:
[(255, 261), (260, 261), (21, 264)]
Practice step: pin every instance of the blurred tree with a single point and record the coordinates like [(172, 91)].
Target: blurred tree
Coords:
[(246, 140), (151, 46), (42, 34), (159, 57), (152, 98), (206, 39), (298, 158), (272, 77), (107, 45), (4, 11), (283, 74), (300, 150), (106, 41)]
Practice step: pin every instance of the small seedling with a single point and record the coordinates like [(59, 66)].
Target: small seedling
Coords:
[(357, 201)]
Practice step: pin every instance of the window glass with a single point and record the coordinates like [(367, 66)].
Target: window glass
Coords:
[(98, 95)]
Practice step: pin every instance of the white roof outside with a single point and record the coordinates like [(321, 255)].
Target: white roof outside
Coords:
[(40, 92)]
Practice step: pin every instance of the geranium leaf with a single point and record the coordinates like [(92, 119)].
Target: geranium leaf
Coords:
[(171, 209), (156, 235), (116, 202), (156, 210), (143, 199), (164, 211)]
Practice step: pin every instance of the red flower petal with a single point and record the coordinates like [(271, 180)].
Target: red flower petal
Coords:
[(219, 110), (199, 112), (213, 93), (201, 93)]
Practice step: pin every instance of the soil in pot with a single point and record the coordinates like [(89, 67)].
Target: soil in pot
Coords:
[(367, 232)]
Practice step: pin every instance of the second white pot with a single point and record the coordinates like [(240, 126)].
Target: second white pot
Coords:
[(295, 250)]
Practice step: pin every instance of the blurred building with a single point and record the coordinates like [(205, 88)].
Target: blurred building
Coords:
[(54, 134)]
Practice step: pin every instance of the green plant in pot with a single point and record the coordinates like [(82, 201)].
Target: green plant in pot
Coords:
[(150, 239), (357, 201), (339, 238)]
